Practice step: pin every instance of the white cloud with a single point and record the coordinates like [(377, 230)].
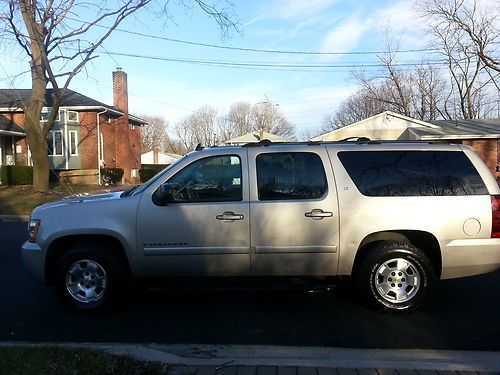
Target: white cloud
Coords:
[(344, 37)]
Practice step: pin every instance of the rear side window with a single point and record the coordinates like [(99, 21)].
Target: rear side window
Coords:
[(290, 175), (412, 173)]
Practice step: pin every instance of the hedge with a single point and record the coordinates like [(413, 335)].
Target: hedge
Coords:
[(16, 175), (149, 170), (111, 176)]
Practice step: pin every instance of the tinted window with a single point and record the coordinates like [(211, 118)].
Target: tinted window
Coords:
[(294, 175), (412, 173), (211, 179)]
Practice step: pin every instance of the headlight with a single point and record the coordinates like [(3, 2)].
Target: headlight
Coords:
[(33, 226)]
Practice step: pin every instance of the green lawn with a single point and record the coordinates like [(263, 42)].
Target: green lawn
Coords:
[(53, 360), (20, 200)]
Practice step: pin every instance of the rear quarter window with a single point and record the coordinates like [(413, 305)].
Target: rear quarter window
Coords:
[(412, 173)]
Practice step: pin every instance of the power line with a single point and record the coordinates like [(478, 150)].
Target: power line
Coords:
[(272, 66), (245, 49)]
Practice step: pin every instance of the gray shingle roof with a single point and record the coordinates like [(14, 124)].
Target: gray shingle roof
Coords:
[(13, 98), (479, 127)]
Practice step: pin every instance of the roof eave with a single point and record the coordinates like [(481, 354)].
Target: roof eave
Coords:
[(9, 132), (461, 136)]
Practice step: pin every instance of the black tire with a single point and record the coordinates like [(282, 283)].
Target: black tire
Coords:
[(94, 267), (396, 287)]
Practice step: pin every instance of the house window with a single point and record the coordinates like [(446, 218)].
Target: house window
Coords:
[(73, 143), (72, 116), (55, 143), (46, 113)]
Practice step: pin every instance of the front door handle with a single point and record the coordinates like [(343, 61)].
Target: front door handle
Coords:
[(229, 216), (318, 214)]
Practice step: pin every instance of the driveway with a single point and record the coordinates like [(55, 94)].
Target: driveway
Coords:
[(464, 314)]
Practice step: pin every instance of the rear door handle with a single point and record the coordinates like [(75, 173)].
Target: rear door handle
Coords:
[(229, 216), (318, 214)]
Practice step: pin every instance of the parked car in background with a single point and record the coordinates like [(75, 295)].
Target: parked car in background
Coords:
[(394, 217)]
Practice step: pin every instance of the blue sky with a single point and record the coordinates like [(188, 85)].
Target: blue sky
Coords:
[(173, 89)]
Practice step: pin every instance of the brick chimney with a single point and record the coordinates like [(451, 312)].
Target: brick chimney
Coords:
[(120, 90), (127, 139)]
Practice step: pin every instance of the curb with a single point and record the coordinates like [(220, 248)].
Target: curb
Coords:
[(254, 355), (14, 218)]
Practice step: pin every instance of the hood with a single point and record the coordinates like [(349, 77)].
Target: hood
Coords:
[(107, 194)]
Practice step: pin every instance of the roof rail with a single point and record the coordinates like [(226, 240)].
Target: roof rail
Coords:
[(350, 140), (358, 139), (199, 147), (264, 142)]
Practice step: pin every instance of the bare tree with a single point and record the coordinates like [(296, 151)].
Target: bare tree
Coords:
[(154, 135), (479, 25), (268, 117), (199, 127), (467, 38), (356, 107), (59, 45), (237, 122), (243, 118)]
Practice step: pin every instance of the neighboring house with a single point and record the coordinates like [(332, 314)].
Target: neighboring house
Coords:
[(483, 135), (254, 137), (87, 134), (156, 157)]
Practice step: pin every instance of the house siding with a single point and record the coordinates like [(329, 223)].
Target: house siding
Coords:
[(487, 149), (88, 140)]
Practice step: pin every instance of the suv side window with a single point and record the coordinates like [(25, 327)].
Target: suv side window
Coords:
[(290, 175), (212, 179), (412, 173)]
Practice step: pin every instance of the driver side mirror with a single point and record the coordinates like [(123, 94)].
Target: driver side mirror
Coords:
[(164, 194)]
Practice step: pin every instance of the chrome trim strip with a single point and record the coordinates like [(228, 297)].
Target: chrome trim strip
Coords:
[(152, 251), (295, 249)]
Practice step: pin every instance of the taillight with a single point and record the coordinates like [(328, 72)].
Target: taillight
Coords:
[(495, 216)]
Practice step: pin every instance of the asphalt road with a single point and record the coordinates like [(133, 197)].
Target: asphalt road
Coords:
[(463, 314)]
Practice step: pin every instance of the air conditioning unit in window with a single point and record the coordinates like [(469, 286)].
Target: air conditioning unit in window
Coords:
[(72, 116)]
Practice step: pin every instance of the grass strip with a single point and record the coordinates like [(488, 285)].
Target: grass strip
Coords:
[(56, 360)]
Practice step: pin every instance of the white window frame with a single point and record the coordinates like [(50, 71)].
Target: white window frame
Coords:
[(77, 116), (75, 151), (48, 110), (53, 140)]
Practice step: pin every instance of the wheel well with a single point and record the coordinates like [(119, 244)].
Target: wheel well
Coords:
[(423, 240), (60, 245)]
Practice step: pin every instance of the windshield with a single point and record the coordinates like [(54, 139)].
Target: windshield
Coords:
[(140, 188)]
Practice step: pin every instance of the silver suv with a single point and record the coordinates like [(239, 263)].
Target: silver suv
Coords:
[(393, 216)]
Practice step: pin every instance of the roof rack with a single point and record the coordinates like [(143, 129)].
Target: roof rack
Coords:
[(267, 142)]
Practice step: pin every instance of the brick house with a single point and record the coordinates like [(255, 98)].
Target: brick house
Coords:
[(482, 134), (87, 135)]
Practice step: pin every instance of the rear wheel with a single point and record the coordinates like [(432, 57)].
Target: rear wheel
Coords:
[(88, 276), (396, 277)]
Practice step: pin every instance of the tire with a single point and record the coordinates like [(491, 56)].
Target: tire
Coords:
[(89, 276), (396, 277)]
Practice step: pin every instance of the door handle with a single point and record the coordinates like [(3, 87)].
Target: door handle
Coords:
[(318, 214), (229, 216)]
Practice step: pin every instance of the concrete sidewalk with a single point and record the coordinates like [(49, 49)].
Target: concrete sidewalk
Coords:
[(279, 360)]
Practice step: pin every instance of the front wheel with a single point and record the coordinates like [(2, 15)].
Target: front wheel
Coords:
[(396, 277), (88, 277)]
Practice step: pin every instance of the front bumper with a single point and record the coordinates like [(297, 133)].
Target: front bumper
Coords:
[(33, 257)]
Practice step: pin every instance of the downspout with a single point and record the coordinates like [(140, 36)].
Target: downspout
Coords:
[(99, 145)]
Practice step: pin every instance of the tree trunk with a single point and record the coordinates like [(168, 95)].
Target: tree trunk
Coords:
[(38, 148), (36, 134)]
